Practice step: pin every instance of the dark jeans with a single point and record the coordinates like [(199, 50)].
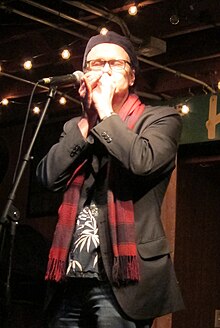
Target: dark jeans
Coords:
[(88, 303)]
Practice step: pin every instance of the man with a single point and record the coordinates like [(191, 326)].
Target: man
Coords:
[(110, 256)]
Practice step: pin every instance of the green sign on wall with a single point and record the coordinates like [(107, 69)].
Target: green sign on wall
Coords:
[(202, 123)]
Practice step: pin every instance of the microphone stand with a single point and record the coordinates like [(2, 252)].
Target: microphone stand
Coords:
[(11, 214)]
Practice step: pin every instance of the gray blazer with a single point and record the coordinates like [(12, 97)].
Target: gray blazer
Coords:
[(147, 157)]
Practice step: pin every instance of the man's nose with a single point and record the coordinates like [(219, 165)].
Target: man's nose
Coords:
[(106, 68)]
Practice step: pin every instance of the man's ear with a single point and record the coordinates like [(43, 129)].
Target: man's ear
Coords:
[(132, 77)]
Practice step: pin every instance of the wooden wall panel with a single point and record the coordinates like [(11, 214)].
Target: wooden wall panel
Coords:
[(169, 222)]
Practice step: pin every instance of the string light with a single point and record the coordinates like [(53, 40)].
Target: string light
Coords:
[(62, 101), (36, 110), (65, 54), (174, 19), (5, 102), (219, 85), (27, 64), (103, 31), (132, 10), (183, 109)]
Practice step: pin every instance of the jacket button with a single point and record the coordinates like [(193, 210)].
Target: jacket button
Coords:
[(76, 148)]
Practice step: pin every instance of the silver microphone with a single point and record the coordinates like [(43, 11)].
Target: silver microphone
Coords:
[(74, 79)]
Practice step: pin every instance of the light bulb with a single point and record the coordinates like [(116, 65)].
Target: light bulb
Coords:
[(62, 101), (65, 54), (36, 110), (103, 31), (185, 109), (4, 102), (132, 10), (27, 64), (174, 19)]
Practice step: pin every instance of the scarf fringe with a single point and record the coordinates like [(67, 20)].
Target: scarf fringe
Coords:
[(125, 269), (55, 270)]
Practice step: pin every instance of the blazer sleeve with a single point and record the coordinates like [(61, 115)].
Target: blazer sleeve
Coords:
[(150, 147), (55, 168)]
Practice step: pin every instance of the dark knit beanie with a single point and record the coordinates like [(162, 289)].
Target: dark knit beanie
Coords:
[(115, 38)]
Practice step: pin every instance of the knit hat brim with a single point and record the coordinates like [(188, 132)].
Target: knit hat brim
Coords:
[(114, 38)]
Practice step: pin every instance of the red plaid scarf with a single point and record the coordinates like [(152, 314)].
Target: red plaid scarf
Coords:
[(120, 215)]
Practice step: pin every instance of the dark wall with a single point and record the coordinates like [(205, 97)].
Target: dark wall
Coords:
[(38, 214), (198, 238)]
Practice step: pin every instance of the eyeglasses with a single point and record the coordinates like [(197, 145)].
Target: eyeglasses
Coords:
[(114, 64)]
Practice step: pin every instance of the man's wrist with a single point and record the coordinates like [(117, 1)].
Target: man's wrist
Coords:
[(108, 115)]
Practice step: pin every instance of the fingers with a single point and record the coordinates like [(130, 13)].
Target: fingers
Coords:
[(82, 89), (97, 90), (88, 82), (92, 77)]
